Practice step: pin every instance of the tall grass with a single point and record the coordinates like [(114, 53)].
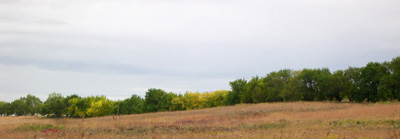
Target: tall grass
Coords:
[(269, 120)]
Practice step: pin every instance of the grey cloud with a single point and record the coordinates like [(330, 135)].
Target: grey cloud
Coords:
[(184, 44), (105, 68)]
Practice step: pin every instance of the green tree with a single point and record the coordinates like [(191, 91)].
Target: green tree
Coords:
[(33, 104), (67, 104), (389, 88), (170, 96), (255, 89), (78, 107), (132, 105), (252, 88), (323, 78), (371, 78), (54, 105), (292, 90), (19, 107), (28, 105), (156, 100), (315, 84), (238, 88), (308, 84), (340, 85), (9, 109), (3, 108), (394, 68), (274, 83), (353, 93)]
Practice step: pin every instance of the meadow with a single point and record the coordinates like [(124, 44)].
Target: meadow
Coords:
[(266, 120)]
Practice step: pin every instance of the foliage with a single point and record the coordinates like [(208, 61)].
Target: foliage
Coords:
[(338, 85), (274, 83), (132, 105), (215, 99), (33, 104), (197, 100), (157, 100), (3, 108), (98, 106), (373, 83), (177, 103), (89, 106), (28, 105), (54, 105), (238, 89), (67, 104), (371, 76)]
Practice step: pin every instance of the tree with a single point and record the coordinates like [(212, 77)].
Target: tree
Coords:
[(353, 93), (177, 103), (168, 103), (78, 107), (339, 86), (255, 89), (252, 88), (19, 107), (132, 105), (389, 88), (216, 98), (192, 100), (33, 104), (67, 104), (371, 77), (99, 106), (3, 108), (206, 100), (238, 88), (292, 90), (156, 100), (394, 68), (315, 83), (28, 105), (54, 105), (308, 84), (136, 104), (274, 83), (323, 78)]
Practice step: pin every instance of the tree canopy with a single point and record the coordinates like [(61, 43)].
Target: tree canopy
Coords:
[(372, 83)]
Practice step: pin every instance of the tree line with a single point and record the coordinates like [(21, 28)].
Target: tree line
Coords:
[(371, 83)]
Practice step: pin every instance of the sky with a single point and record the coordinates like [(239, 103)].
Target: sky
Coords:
[(119, 48)]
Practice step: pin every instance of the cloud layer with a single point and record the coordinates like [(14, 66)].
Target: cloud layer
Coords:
[(121, 48)]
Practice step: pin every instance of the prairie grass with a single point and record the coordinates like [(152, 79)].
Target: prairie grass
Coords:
[(37, 127), (267, 120)]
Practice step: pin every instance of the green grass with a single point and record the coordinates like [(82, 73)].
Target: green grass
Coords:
[(37, 127), (363, 123), (388, 102), (280, 124)]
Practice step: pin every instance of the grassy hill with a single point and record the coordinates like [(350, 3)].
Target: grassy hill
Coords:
[(267, 120)]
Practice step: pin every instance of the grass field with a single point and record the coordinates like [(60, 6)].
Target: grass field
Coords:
[(268, 120)]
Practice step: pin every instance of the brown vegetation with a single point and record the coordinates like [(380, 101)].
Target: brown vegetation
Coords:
[(268, 120)]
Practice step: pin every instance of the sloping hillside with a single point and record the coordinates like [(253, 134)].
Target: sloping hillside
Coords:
[(268, 120)]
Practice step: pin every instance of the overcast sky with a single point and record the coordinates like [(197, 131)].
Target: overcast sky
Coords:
[(118, 48)]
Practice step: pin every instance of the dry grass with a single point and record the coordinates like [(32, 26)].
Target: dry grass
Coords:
[(271, 120)]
